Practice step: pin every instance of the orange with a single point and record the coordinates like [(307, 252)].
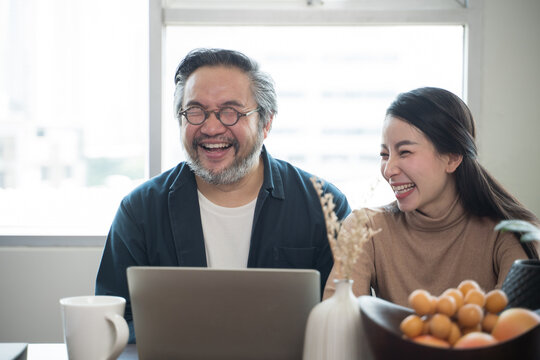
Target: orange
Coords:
[(421, 302), (489, 322), (440, 326), (455, 334), (431, 341), (475, 339), (446, 305), (475, 328), (475, 296), (470, 315), (513, 322), (425, 328), (412, 326), (456, 294), (496, 301), (466, 285), (433, 304)]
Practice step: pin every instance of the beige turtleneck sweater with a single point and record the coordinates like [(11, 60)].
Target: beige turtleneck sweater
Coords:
[(413, 251)]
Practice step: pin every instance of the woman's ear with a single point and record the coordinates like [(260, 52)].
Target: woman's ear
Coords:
[(454, 160)]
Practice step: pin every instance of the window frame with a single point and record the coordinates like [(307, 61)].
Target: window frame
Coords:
[(163, 13)]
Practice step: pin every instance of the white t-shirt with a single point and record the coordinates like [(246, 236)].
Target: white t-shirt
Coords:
[(227, 233)]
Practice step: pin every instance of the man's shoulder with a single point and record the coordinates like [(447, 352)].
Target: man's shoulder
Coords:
[(292, 173), (289, 170), (298, 183), (161, 184)]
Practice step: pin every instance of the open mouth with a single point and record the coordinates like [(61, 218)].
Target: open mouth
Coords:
[(403, 190), (216, 147)]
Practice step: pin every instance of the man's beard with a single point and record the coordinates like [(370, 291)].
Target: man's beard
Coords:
[(234, 172)]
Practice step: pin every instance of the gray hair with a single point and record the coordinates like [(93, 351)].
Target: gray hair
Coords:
[(262, 85)]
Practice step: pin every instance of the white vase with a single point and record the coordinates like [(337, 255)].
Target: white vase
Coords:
[(333, 327)]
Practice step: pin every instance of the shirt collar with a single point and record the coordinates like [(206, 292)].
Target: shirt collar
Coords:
[(273, 183)]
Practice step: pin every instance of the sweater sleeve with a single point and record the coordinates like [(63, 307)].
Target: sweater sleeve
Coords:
[(507, 249)]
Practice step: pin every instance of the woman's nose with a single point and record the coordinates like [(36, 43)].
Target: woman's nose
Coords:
[(389, 168)]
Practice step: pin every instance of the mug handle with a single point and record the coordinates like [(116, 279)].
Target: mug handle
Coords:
[(121, 334)]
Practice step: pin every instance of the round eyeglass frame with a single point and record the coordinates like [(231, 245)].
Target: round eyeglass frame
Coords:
[(183, 112)]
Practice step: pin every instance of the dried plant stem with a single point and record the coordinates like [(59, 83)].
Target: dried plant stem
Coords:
[(346, 243)]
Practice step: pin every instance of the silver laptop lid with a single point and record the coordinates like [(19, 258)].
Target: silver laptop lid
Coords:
[(204, 313)]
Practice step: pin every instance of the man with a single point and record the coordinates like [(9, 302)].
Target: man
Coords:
[(230, 205)]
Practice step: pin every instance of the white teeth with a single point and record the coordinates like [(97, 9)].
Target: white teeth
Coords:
[(403, 187), (215, 146)]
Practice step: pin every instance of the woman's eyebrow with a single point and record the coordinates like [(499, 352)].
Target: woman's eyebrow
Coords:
[(405, 142), (400, 143)]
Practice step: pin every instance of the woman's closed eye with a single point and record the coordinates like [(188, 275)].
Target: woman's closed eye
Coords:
[(404, 152)]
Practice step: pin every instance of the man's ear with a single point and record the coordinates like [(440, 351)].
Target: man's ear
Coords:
[(268, 126), (454, 160)]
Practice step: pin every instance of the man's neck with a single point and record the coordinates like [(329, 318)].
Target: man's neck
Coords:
[(236, 194)]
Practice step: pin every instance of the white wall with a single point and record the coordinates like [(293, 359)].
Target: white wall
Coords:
[(32, 282), (510, 125), (33, 279)]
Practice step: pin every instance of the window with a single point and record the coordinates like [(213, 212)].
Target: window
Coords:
[(337, 64), (332, 95), (87, 116), (73, 113)]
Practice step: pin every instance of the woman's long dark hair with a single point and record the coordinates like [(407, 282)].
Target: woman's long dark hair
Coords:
[(448, 123)]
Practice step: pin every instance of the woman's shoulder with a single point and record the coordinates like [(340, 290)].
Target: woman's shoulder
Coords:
[(377, 215), (381, 210)]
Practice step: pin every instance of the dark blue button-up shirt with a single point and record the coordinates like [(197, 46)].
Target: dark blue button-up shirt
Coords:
[(159, 224)]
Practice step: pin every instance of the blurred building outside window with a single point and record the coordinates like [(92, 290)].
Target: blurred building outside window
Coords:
[(74, 102), (332, 95)]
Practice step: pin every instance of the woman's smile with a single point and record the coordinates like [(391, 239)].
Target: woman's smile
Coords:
[(420, 177)]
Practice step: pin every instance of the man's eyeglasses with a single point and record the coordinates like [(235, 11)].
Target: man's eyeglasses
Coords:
[(227, 115)]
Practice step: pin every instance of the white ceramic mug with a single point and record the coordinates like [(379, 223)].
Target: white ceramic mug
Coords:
[(94, 327)]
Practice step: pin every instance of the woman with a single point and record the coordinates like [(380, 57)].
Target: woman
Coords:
[(440, 229)]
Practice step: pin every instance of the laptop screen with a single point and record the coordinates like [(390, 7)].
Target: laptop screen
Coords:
[(207, 313)]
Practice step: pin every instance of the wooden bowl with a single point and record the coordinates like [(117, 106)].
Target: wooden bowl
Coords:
[(380, 322)]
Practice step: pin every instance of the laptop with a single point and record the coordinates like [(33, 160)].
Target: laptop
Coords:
[(206, 313)]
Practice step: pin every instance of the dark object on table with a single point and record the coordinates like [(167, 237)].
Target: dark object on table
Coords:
[(522, 284), (380, 323)]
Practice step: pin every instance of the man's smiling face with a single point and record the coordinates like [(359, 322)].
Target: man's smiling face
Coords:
[(217, 153)]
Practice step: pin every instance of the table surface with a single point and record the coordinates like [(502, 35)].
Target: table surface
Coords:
[(59, 352)]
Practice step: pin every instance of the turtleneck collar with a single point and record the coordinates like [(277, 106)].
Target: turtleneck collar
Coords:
[(450, 218)]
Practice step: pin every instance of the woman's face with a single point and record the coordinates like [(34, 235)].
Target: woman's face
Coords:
[(421, 178)]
